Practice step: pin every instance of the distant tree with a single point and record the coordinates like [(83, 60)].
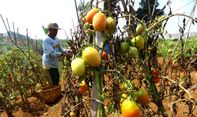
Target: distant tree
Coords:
[(148, 10)]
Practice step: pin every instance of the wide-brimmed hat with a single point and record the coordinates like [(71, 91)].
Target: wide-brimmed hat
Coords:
[(53, 26)]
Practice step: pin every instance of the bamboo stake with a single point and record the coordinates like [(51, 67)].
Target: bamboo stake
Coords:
[(15, 41), (77, 12), (6, 27)]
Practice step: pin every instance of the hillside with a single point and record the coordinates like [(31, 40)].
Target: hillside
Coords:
[(176, 35)]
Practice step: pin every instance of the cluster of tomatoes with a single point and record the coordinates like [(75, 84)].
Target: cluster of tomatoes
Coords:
[(129, 104), (97, 19), (91, 57), (135, 44), (155, 75)]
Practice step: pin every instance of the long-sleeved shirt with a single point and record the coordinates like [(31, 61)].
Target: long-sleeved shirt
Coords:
[(52, 50)]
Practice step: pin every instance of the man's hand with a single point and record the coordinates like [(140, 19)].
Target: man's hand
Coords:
[(68, 54)]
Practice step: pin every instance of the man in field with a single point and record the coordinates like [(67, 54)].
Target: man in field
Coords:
[(52, 52)]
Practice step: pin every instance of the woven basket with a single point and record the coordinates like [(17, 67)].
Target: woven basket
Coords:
[(50, 94)]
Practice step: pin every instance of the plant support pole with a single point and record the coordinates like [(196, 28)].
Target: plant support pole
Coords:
[(97, 88)]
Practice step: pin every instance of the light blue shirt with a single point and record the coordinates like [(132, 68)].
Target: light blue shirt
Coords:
[(52, 50)]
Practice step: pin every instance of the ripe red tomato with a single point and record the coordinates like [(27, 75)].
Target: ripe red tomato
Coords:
[(129, 108), (155, 73), (142, 96), (104, 55), (83, 87), (156, 80)]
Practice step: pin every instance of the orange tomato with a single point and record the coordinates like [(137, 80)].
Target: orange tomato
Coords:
[(104, 55), (99, 21), (129, 108), (142, 96), (90, 15), (83, 87), (72, 114)]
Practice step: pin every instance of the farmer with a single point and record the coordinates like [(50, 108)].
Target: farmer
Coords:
[(52, 52)]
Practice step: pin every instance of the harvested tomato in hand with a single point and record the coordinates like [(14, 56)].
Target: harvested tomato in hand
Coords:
[(104, 55), (156, 80)]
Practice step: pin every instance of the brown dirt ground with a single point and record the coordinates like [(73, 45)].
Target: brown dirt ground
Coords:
[(38, 108)]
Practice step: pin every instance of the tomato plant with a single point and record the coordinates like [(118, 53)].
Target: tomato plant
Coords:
[(138, 40), (20, 71)]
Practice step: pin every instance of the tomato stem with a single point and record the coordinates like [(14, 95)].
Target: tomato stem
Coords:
[(98, 105), (155, 95)]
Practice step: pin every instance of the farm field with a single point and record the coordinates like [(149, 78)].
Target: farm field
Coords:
[(112, 68)]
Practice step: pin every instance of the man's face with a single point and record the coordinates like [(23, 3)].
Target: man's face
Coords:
[(53, 32)]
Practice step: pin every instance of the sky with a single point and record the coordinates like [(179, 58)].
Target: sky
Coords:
[(33, 14)]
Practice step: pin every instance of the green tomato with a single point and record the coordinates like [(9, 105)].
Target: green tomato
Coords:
[(133, 51), (138, 42), (142, 96), (78, 66), (124, 47), (111, 23), (139, 29)]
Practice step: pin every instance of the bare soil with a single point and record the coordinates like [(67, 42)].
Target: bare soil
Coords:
[(39, 109)]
